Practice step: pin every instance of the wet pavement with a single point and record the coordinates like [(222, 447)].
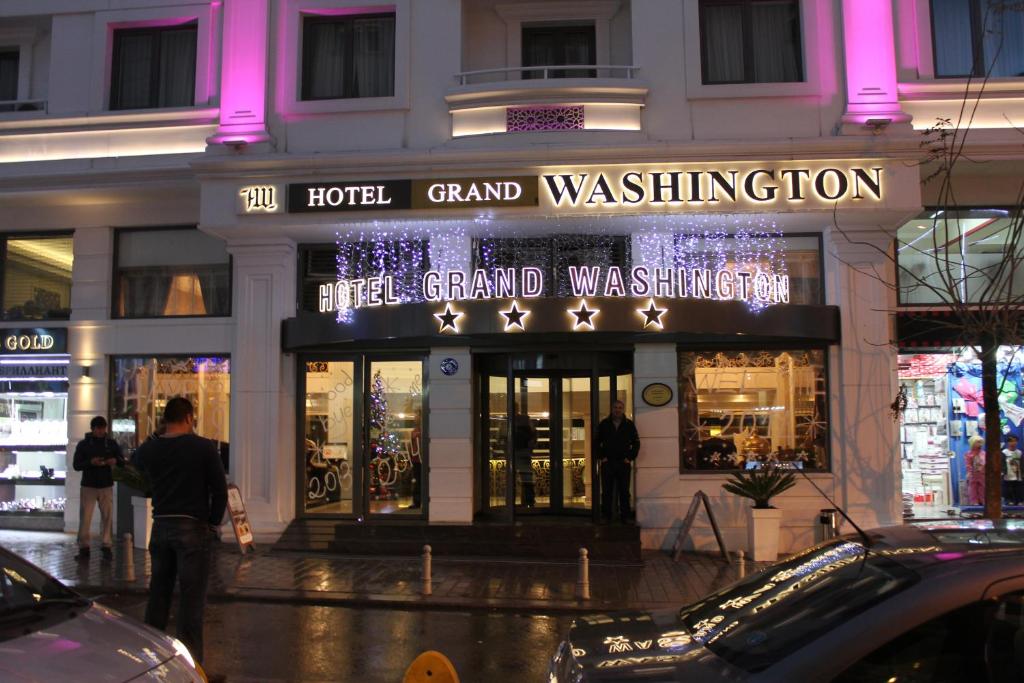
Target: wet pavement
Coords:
[(261, 643), (458, 583)]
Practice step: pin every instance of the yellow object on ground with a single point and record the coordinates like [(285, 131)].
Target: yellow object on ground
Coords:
[(433, 667)]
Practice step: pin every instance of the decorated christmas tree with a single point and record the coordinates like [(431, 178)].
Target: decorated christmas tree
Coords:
[(384, 444)]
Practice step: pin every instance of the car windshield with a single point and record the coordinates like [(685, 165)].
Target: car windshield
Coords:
[(23, 586), (758, 621)]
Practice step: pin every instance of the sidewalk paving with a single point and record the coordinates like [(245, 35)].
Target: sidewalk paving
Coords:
[(458, 583)]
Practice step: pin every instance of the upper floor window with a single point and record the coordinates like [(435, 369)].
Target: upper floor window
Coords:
[(750, 41), (154, 67), (348, 56), (557, 45), (978, 38), (970, 256), (37, 277), (9, 63), (171, 272)]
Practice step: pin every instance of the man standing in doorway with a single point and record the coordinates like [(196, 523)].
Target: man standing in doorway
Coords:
[(190, 493), (95, 455), (618, 444)]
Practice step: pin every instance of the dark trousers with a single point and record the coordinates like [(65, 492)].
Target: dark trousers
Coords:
[(1013, 492), (615, 483), (179, 550)]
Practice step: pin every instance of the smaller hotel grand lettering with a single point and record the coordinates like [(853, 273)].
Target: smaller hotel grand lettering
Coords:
[(719, 188)]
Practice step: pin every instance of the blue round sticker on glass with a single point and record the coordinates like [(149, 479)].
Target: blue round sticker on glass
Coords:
[(449, 366)]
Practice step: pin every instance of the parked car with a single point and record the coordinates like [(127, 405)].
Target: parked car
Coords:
[(50, 633), (908, 604)]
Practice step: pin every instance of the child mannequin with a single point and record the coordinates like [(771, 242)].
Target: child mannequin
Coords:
[(976, 472), (1012, 484)]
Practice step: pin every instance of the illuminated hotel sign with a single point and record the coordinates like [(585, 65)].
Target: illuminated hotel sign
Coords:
[(585, 281), (663, 188)]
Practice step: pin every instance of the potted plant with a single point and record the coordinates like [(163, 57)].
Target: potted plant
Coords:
[(763, 519), (142, 506)]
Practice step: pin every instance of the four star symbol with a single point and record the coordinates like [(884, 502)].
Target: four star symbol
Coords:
[(514, 317), (584, 315), (652, 314), (449, 319)]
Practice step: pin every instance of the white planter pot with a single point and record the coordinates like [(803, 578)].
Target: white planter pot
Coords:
[(763, 534), (142, 521)]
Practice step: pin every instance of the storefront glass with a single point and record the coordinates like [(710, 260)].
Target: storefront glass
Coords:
[(330, 444), (944, 410), (142, 386), (745, 408), (33, 441), (394, 425), (363, 437)]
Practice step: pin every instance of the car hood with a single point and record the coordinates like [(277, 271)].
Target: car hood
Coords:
[(98, 644), (640, 646)]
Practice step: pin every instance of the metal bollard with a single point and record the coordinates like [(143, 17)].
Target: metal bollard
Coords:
[(741, 558), (583, 583), (428, 583), (129, 559)]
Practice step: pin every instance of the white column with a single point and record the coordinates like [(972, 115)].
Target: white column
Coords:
[(450, 458), (865, 456), (263, 382), (87, 396), (871, 76), (657, 466)]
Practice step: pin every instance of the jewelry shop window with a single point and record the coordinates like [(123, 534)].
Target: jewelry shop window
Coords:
[(37, 277), (741, 409), (171, 272), (141, 387)]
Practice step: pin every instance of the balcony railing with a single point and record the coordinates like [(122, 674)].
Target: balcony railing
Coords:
[(552, 71), (22, 105)]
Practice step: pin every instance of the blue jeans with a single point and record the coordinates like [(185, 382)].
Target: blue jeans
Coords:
[(179, 550)]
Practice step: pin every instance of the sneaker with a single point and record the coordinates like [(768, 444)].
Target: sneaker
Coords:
[(108, 553), (83, 554)]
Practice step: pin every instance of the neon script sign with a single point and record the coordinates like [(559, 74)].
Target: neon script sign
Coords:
[(725, 284)]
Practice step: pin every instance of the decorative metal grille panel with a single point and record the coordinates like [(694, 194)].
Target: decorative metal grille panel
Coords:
[(523, 119)]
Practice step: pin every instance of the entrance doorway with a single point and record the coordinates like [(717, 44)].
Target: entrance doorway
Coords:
[(538, 426)]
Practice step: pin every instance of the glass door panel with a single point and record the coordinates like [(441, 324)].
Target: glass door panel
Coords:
[(532, 443), (577, 434), (496, 441), (331, 441), (394, 470)]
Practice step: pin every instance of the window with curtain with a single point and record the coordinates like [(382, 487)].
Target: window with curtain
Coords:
[(977, 38), (37, 277), (9, 60), (751, 41), (348, 56), (551, 45), (154, 67), (171, 272)]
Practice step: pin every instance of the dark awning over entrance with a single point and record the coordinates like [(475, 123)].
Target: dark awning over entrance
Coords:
[(617, 320)]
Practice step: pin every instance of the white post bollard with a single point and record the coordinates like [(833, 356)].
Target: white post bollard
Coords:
[(583, 583), (741, 557), (129, 558), (428, 583)]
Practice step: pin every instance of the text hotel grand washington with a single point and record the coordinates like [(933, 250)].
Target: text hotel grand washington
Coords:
[(724, 188)]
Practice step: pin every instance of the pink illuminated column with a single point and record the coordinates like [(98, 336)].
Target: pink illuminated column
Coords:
[(243, 74), (870, 64)]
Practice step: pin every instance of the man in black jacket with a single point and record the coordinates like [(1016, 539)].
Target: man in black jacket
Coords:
[(189, 497), (618, 444), (95, 455)]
